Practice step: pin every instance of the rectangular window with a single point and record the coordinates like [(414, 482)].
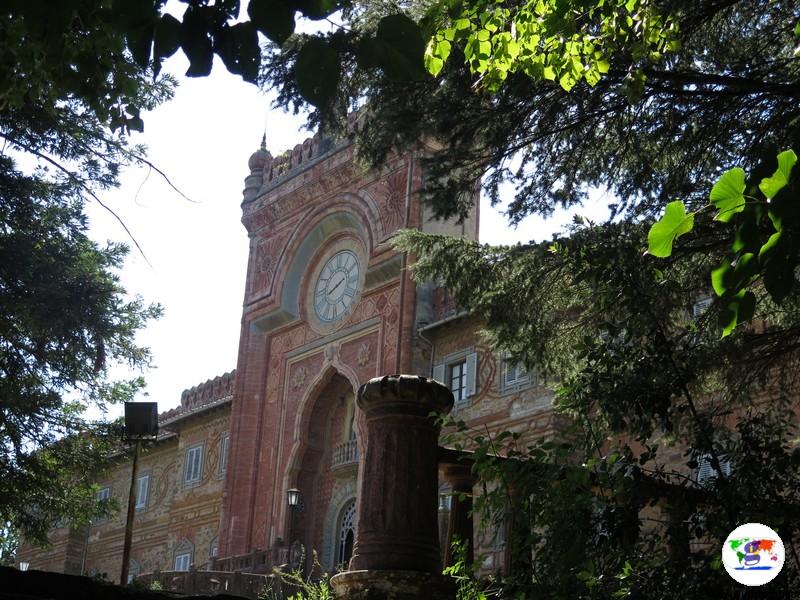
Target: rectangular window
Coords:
[(705, 472), (103, 495), (182, 561), (193, 467), (223, 453), (514, 374), (701, 306), (458, 371), (458, 380), (142, 490)]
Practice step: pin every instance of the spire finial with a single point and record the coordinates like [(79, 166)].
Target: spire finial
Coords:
[(264, 141)]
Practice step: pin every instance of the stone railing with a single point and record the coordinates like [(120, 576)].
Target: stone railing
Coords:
[(345, 454), (247, 585), (258, 561)]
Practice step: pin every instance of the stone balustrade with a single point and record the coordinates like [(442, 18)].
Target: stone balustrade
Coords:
[(345, 454), (247, 585)]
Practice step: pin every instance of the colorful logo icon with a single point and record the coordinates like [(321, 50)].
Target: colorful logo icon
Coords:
[(753, 554)]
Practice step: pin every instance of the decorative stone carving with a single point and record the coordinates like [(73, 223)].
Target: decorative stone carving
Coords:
[(299, 377), (363, 354)]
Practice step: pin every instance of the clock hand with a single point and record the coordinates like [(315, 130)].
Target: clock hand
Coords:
[(333, 289)]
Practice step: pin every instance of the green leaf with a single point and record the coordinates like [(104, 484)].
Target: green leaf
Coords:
[(140, 43), (316, 71), (728, 194), (238, 48), (273, 18), (738, 309), (138, 19), (720, 278), (671, 226), (770, 245), (196, 44), (367, 53), (770, 186), (401, 48), (167, 37)]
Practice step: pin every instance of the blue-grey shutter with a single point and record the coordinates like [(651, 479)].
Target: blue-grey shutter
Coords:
[(438, 373), (472, 373)]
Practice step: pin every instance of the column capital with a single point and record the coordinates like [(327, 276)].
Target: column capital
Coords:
[(406, 394)]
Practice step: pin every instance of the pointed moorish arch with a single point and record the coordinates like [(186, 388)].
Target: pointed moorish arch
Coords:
[(311, 419)]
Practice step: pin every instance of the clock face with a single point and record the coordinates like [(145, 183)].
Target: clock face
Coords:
[(336, 286)]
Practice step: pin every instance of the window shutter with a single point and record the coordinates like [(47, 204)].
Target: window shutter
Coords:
[(701, 306), (472, 373), (438, 373)]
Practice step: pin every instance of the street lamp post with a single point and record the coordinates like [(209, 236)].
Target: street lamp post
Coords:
[(141, 423)]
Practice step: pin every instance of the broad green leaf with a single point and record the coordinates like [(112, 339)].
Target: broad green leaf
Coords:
[(770, 245), (196, 44), (603, 66), (744, 271), (728, 194), (770, 186), (317, 71), (273, 18), (738, 309), (777, 220), (367, 53), (720, 278), (167, 37), (238, 48), (567, 81), (666, 230), (401, 48), (433, 64)]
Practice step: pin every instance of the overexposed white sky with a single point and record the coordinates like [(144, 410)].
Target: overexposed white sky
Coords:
[(197, 250)]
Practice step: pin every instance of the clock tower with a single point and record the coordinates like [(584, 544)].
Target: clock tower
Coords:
[(328, 305)]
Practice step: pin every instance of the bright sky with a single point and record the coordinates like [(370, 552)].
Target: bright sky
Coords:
[(197, 250)]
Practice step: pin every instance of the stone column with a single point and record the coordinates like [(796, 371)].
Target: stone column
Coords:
[(461, 479), (396, 551)]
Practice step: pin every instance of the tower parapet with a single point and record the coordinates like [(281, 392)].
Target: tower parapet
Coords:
[(266, 170)]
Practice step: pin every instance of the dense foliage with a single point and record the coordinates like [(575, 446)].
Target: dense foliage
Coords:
[(71, 93), (650, 389), (651, 101)]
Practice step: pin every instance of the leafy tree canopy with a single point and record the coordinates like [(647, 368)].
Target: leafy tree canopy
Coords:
[(71, 93)]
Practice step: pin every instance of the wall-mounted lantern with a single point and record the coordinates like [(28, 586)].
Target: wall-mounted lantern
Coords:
[(293, 497)]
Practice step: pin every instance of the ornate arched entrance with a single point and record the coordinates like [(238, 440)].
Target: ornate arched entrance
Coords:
[(318, 472)]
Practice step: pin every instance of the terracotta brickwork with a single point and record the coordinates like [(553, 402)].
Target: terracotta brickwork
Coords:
[(299, 211)]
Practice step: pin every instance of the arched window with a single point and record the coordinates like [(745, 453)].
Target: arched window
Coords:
[(183, 555), (347, 534)]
